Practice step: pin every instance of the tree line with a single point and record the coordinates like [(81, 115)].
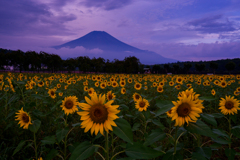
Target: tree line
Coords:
[(42, 61)]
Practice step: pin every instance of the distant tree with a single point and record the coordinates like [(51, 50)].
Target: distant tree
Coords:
[(97, 64), (187, 67), (84, 63), (166, 67), (200, 67), (3, 60), (176, 67), (156, 68), (119, 66), (230, 66), (213, 66), (131, 64)]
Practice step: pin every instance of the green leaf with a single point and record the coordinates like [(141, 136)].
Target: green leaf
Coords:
[(230, 153), (12, 99), (163, 109), (170, 156), (76, 124), (51, 154), (209, 118), (35, 126), (198, 156), (83, 151), (61, 134), (123, 130), (158, 123), (221, 140), (123, 106), (56, 105), (37, 96), (139, 151), (210, 98), (200, 128), (217, 115), (19, 147), (38, 113), (156, 135), (221, 133), (205, 151), (236, 131), (233, 117), (136, 126), (49, 140)]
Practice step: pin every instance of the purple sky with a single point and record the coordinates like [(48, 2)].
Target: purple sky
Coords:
[(186, 30)]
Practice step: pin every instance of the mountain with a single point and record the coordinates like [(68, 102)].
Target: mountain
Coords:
[(113, 48)]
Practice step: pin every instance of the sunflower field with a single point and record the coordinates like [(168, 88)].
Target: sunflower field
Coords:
[(119, 116)]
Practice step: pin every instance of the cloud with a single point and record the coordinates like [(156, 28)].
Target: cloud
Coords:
[(106, 4), (212, 24), (28, 17)]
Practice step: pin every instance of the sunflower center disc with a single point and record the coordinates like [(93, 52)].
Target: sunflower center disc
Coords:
[(110, 96), (229, 105), (52, 93), (142, 104), (98, 113), (184, 109), (25, 118), (137, 97), (137, 86), (68, 104)]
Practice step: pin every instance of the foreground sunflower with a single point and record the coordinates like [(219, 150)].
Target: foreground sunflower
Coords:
[(98, 115), (69, 104), (142, 104), (23, 118), (185, 110), (229, 105)]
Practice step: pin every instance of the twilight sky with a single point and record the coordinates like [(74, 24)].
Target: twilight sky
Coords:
[(186, 30)]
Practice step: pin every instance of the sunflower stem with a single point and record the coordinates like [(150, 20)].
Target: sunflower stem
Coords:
[(106, 146), (229, 121), (35, 145), (175, 144)]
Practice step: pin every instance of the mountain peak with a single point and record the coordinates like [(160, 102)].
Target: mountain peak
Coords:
[(113, 48)]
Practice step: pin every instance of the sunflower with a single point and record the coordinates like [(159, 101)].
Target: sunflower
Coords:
[(123, 91), (179, 80), (141, 104), (213, 92), (58, 85), (114, 84), (52, 93), (229, 105), (178, 86), (91, 91), (40, 84), (160, 89), (129, 80), (189, 85), (60, 94), (98, 115), (223, 84), (110, 95), (85, 88), (103, 85), (216, 82), (69, 104), (171, 83), (185, 110), (236, 93), (137, 86), (23, 118), (136, 97), (154, 84), (96, 84)]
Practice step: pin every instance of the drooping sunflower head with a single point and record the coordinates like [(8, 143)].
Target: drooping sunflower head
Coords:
[(123, 91), (98, 115), (110, 95), (229, 105), (160, 89), (185, 110), (141, 104), (69, 104), (213, 92), (52, 93), (23, 118), (136, 97)]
